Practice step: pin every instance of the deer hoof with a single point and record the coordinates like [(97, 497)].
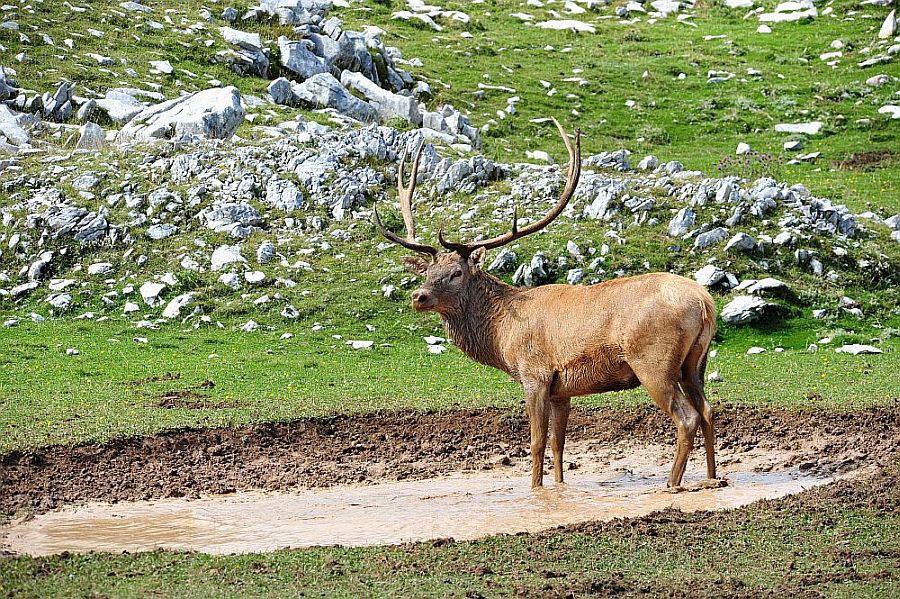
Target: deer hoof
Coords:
[(709, 483)]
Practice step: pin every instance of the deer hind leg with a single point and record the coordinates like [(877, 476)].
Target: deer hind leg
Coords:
[(559, 418), (537, 405), (692, 384), (669, 397)]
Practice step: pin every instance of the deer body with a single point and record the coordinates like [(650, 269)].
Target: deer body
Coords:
[(580, 338), (564, 341)]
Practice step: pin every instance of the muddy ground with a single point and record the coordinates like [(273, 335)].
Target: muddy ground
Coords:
[(396, 446)]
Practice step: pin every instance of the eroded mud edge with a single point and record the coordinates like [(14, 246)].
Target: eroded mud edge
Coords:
[(406, 445)]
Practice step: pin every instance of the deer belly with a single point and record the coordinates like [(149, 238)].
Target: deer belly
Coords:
[(590, 375)]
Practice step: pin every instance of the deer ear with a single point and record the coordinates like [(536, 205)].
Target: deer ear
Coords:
[(477, 257), (417, 266)]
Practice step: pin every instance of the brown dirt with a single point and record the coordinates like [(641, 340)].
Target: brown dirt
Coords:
[(864, 161), (190, 400), (157, 378), (405, 445)]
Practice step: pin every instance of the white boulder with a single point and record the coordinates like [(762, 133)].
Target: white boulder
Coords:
[(213, 113)]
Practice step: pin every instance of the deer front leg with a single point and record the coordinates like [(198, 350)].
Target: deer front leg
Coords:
[(537, 405), (559, 419)]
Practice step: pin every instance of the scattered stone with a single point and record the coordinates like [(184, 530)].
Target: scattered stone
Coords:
[(324, 91), (704, 240), (158, 232), (756, 287), (99, 268), (355, 344), (388, 105), (743, 309), (255, 277), (173, 309), (505, 261), (756, 350), (889, 27), (120, 105), (299, 59), (891, 109), (284, 195), (150, 293), (231, 280), (225, 255), (709, 276), (265, 252), (811, 128), (567, 25), (92, 137), (648, 163), (682, 222), (741, 243), (856, 349)]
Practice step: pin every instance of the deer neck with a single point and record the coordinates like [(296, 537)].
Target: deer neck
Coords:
[(476, 324)]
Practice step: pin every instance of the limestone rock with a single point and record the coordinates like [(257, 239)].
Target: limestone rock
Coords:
[(388, 105), (298, 58), (213, 113), (710, 275), (225, 255), (741, 242), (704, 240), (744, 309), (150, 293), (92, 137), (889, 27), (682, 222), (324, 91), (173, 309)]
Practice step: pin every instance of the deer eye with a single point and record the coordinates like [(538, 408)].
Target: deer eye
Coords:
[(456, 274)]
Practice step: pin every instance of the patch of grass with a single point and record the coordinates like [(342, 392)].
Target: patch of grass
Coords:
[(823, 544), (111, 389)]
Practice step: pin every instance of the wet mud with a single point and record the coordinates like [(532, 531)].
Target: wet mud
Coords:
[(319, 453), (619, 481)]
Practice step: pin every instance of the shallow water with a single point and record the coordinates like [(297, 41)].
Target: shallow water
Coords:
[(464, 506)]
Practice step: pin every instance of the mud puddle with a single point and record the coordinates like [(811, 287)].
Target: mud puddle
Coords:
[(616, 483)]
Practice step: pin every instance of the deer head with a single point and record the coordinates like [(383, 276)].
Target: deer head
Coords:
[(448, 274)]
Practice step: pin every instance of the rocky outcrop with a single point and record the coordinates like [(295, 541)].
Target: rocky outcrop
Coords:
[(213, 113)]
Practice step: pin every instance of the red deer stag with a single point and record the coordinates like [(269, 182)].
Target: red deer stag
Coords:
[(563, 341)]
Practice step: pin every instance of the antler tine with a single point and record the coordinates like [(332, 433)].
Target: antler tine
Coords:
[(460, 248), (406, 195), (391, 236), (406, 192), (572, 176)]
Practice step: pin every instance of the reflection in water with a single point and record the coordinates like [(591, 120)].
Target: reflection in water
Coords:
[(461, 507)]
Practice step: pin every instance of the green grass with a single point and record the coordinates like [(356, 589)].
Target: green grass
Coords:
[(834, 548), (47, 397)]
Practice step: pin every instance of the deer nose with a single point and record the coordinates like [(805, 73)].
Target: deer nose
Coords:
[(421, 299)]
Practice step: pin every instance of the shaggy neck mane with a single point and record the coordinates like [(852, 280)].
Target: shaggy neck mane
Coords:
[(474, 324)]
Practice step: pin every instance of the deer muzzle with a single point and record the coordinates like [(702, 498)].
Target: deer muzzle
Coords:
[(422, 300)]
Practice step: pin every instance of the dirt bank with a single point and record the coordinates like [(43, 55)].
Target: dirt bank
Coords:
[(397, 446)]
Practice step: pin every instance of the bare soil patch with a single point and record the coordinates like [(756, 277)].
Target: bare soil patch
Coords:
[(191, 400), (864, 161), (314, 453)]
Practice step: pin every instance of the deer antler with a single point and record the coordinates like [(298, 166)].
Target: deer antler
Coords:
[(406, 195), (465, 249)]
